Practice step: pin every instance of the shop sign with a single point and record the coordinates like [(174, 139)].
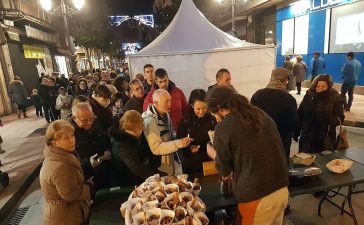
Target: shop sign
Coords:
[(306, 6), (33, 52), (40, 35)]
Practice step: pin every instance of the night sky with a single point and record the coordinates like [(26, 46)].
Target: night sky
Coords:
[(130, 7)]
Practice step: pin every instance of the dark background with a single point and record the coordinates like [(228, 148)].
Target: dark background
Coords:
[(130, 7)]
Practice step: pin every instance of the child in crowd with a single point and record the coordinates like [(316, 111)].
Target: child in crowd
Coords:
[(37, 103), (117, 106), (64, 103)]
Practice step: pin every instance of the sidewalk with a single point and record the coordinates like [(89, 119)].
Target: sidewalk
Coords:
[(22, 159), (354, 118)]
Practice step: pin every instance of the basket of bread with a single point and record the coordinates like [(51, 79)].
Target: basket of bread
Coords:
[(302, 158), (339, 165), (171, 200)]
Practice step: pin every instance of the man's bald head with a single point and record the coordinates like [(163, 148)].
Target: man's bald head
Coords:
[(162, 101)]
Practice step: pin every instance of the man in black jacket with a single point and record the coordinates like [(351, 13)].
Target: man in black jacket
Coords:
[(137, 99), (279, 105), (92, 144)]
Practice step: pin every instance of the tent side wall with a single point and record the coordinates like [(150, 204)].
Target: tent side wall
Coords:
[(250, 68)]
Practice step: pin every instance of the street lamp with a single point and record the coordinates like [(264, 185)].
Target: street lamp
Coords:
[(234, 4), (78, 4)]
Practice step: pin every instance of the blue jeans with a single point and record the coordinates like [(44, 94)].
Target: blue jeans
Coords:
[(347, 87)]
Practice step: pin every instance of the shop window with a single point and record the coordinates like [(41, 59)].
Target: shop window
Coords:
[(301, 34), (287, 37), (347, 28)]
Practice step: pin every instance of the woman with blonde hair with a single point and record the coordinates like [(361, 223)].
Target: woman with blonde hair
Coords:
[(129, 151), (67, 194), (319, 113)]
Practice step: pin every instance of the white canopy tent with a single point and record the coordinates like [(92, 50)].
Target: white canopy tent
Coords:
[(192, 50)]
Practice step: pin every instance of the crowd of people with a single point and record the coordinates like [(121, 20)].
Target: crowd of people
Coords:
[(107, 130)]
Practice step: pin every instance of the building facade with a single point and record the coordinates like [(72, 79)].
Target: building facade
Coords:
[(30, 45)]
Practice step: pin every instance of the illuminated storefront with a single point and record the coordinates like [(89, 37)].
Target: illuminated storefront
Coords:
[(331, 27)]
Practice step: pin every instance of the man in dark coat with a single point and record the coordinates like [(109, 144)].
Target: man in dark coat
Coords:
[(53, 94), (148, 78), (92, 144), (137, 97), (223, 78), (279, 105)]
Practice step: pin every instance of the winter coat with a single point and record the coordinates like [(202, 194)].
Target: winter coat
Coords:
[(104, 115), (318, 66), (37, 101), (43, 92), (159, 132), (53, 94), (64, 103), (91, 142), (280, 106), (18, 92), (67, 196), (179, 103), (134, 104), (197, 128), (299, 71), (130, 164), (351, 71), (319, 114)]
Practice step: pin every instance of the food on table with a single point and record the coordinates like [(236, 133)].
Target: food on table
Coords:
[(166, 200), (196, 185), (339, 165), (180, 213), (166, 220)]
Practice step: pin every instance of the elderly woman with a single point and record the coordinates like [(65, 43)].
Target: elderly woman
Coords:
[(196, 123), (67, 195), (320, 112), (129, 151)]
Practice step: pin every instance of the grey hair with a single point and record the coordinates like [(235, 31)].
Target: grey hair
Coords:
[(158, 94), (135, 82), (81, 106)]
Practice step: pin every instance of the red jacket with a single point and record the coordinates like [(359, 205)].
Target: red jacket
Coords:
[(179, 103)]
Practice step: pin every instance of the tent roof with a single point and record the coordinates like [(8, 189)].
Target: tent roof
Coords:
[(191, 31)]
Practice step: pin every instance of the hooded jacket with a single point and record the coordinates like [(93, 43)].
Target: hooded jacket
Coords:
[(18, 92), (67, 196), (179, 103)]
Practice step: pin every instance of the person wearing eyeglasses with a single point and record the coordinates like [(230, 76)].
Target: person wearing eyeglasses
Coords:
[(92, 144)]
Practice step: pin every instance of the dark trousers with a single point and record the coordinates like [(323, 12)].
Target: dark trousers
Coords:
[(22, 108), (38, 110), (347, 88), (298, 85), (287, 141), (48, 114)]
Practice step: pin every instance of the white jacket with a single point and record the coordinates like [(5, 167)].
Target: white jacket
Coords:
[(158, 135), (64, 104)]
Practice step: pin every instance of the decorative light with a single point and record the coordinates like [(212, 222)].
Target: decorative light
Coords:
[(46, 4), (219, 1), (78, 4)]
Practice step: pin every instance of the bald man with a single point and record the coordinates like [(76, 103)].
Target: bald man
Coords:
[(158, 129)]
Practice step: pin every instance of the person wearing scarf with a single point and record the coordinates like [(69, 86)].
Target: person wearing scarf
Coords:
[(279, 105), (320, 111)]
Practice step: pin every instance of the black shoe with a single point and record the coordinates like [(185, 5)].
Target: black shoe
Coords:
[(347, 109), (298, 93)]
